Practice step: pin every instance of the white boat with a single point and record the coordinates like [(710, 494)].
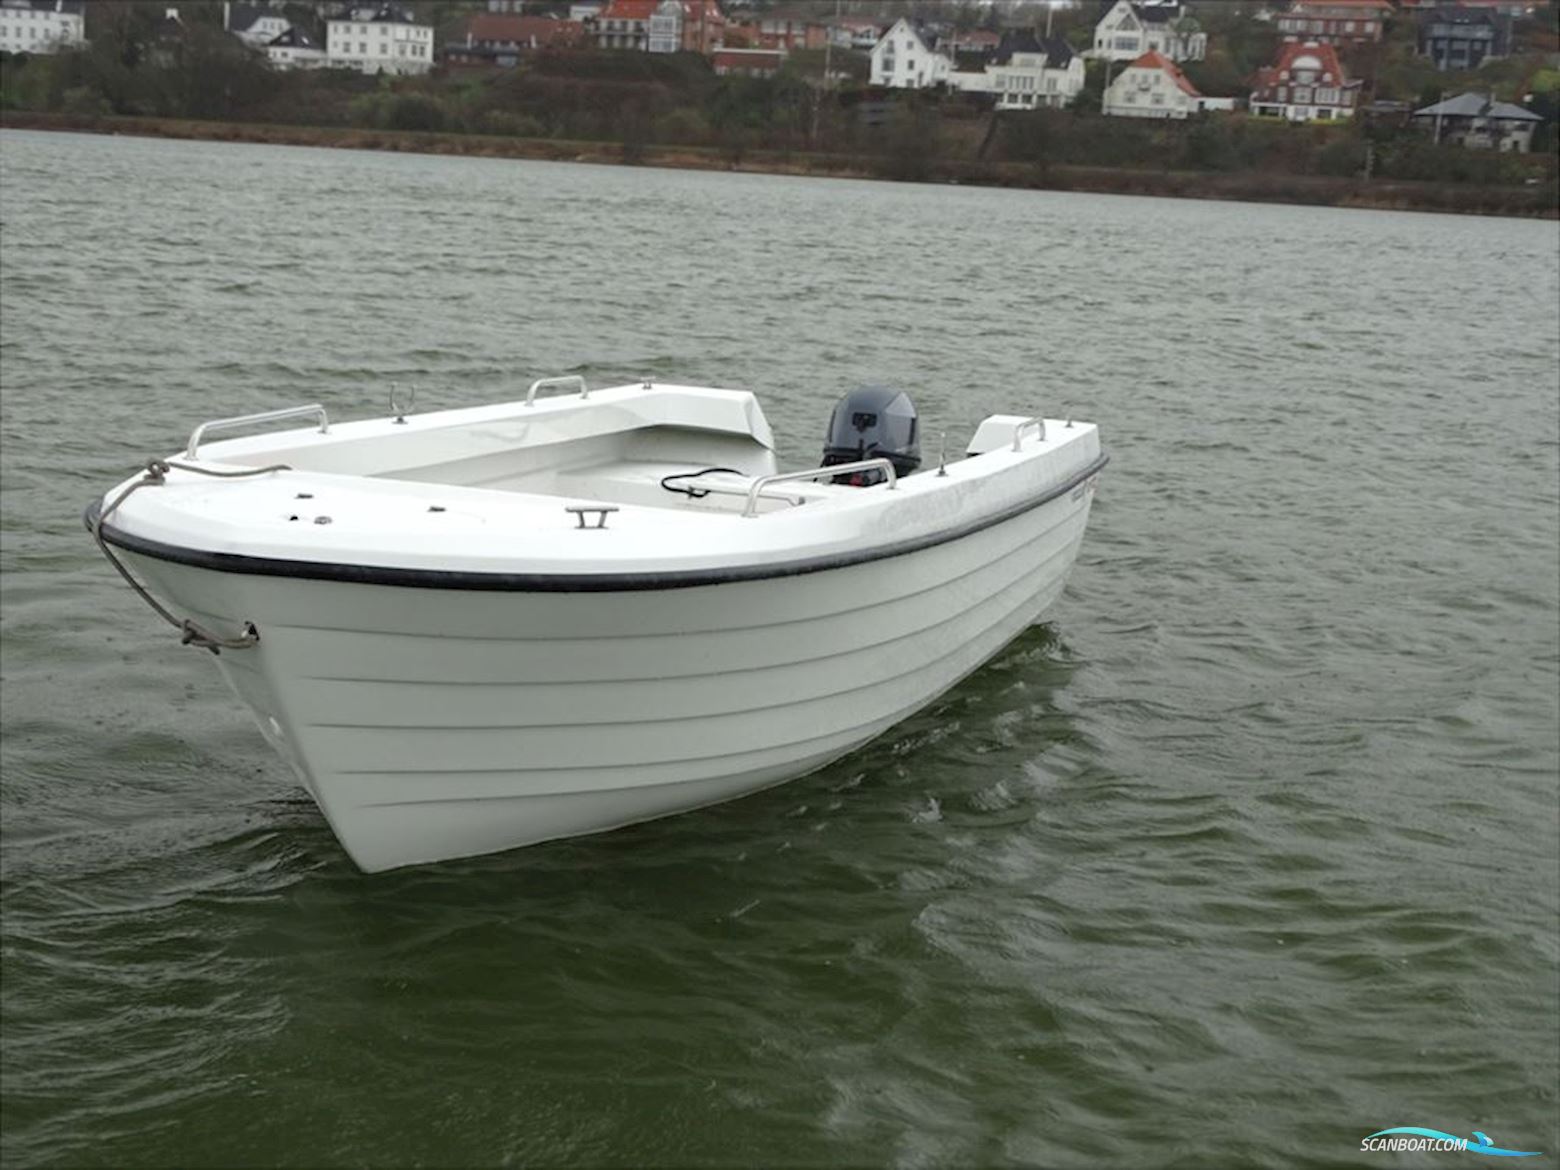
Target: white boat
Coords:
[(476, 629)]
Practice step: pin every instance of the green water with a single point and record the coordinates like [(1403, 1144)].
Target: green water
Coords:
[(1251, 851)]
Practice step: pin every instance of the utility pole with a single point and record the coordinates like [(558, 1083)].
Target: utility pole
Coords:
[(823, 85)]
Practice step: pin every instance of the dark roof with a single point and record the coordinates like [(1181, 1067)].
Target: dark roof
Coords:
[(1156, 13), (1457, 14), (1057, 51), (1477, 105), (293, 38), (1149, 11), (928, 33), (1017, 42), (241, 16)]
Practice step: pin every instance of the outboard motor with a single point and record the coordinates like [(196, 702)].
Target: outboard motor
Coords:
[(870, 422)]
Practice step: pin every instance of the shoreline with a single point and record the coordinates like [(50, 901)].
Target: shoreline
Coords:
[(1243, 186)]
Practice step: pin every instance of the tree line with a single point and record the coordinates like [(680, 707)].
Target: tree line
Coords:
[(136, 65)]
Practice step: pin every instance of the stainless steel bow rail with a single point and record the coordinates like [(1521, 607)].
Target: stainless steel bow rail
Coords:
[(884, 465), (1018, 431), (313, 410), (562, 380), (192, 633)]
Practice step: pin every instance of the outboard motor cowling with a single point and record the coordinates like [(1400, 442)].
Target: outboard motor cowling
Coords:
[(869, 423)]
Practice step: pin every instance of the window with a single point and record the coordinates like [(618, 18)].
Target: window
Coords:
[(363, 48)]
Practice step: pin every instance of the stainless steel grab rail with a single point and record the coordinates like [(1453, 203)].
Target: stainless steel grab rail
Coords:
[(763, 481), (530, 394), (1037, 421), (313, 410)]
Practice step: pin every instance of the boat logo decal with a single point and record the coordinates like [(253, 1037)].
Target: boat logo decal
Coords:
[(1422, 1140)]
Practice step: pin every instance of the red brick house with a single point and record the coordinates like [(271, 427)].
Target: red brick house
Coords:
[(496, 39), (660, 26), (789, 29), (1306, 84), (747, 62), (1333, 21)]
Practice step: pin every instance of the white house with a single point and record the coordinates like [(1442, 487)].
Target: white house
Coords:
[(1153, 86), (41, 26), (664, 29), (855, 34), (1477, 120), (1026, 73), (1130, 28), (295, 49), (252, 24), (381, 40), (902, 59)]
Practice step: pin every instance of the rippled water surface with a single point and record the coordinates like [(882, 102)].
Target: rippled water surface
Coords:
[(1251, 851)]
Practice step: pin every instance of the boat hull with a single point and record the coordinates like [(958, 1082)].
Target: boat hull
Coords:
[(434, 723)]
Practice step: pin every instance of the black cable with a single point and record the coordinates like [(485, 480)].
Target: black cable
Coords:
[(691, 492)]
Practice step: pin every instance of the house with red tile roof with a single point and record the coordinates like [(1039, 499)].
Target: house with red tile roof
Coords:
[(660, 26), (747, 62), (624, 24), (794, 27), (1333, 21), (1152, 86), (498, 39), (1306, 84)]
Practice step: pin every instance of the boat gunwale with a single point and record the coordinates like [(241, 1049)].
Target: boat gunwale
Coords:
[(505, 582)]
